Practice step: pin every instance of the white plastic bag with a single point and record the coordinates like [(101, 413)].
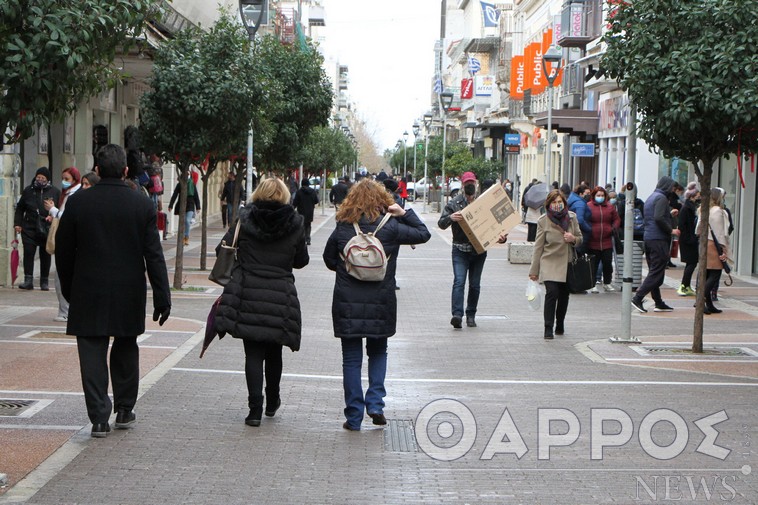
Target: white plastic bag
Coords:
[(534, 295)]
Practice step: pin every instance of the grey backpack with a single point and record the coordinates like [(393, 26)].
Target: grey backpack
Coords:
[(364, 254)]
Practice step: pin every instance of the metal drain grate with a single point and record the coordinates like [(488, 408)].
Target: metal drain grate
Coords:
[(14, 408), (731, 352), (399, 436)]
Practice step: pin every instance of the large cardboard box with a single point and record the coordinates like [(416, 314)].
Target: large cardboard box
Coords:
[(488, 217)]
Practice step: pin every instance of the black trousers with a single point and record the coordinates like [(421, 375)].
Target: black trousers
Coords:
[(658, 254), (124, 372), (606, 257), (712, 279), (556, 303), (689, 269), (307, 227), (30, 248), (255, 354), (531, 232)]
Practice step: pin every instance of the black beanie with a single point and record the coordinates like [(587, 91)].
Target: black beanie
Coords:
[(390, 184), (44, 171)]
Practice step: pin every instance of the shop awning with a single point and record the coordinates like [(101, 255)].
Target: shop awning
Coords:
[(582, 123)]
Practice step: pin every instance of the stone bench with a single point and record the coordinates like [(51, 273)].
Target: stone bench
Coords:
[(520, 252)]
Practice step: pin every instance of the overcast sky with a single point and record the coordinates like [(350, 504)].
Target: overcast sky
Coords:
[(389, 49)]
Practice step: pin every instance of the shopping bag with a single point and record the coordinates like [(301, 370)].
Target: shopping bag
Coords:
[(580, 274), (533, 295)]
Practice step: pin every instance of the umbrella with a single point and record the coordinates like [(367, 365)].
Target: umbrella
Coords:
[(210, 332), (14, 260), (535, 197)]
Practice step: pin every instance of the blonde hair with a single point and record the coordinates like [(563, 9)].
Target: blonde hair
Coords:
[(717, 196), (366, 198), (271, 190)]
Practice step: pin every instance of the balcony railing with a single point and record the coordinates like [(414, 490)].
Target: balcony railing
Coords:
[(579, 23)]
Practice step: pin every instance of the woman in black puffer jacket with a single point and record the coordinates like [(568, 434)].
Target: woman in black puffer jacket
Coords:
[(260, 304), (362, 309)]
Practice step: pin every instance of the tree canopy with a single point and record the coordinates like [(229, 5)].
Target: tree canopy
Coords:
[(58, 54), (326, 149)]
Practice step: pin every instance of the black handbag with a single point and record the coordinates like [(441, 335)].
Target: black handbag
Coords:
[(42, 225), (225, 259), (580, 275)]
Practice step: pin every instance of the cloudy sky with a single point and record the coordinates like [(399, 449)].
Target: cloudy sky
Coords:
[(389, 49)]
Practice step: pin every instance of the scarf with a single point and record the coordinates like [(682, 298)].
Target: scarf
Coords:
[(560, 218)]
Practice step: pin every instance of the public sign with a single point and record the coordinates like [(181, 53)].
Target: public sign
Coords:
[(583, 150)]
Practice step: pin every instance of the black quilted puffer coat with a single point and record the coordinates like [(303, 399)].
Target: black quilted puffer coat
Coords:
[(369, 309), (260, 301)]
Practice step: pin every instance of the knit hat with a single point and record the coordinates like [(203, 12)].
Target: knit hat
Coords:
[(692, 189), (390, 184), (44, 171)]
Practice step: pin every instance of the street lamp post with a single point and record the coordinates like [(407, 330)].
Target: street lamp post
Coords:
[(427, 124), (405, 153), (251, 12), (415, 131), (446, 100), (551, 65)]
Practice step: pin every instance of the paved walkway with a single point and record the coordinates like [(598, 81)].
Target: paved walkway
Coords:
[(476, 415)]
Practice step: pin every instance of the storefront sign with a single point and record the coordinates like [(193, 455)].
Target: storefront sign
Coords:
[(483, 85), (579, 150), (467, 89)]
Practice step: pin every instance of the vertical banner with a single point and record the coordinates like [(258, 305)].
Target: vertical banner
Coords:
[(467, 89), (533, 78), (517, 77)]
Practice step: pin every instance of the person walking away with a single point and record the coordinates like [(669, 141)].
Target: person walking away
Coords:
[(688, 239), (466, 261), (658, 232), (365, 309), (393, 188), (227, 196), (193, 205), (558, 232), (31, 221), (719, 227), (305, 202), (402, 190), (260, 305), (71, 183), (603, 220), (338, 192), (715, 290), (102, 276)]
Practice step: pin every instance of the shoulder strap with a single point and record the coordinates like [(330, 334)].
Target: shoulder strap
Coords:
[(384, 220), (236, 233)]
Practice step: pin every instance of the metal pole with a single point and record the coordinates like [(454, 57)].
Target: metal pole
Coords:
[(631, 194), (249, 182), (405, 157), (444, 147), (426, 168), (415, 137), (549, 130)]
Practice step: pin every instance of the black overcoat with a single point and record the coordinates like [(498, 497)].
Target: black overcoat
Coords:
[(30, 205), (369, 309), (106, 241), (260, 301), (688, 240), (305, 201)]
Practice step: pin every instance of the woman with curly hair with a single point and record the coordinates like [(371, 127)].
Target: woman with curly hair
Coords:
[(367, 309)]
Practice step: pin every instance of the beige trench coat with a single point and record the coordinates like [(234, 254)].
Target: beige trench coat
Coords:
[(551, 253)]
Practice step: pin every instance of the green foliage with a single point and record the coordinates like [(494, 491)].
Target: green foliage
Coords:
[(305, 98), (326, 149), (692, 70), (57, 54)]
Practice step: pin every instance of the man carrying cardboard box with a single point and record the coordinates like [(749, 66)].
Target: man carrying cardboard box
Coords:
[(466, 260)]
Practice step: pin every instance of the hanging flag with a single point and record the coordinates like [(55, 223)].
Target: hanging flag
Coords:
[(474, 65), (438, 85), (491, 15)]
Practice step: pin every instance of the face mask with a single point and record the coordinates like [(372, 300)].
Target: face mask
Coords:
[(556, 206), (469, 189), (65, 184), (507, 186), (586, 198), (38, 184), (599, 199), (698, 201), (612, 201)]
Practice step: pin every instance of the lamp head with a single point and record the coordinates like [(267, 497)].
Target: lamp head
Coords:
[(446, 99), (405, 136), (552, 55), (428, 119), (416, 128), (251, 12)]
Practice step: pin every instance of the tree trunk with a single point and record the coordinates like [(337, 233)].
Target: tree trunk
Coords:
[(183, 170), (212, 164), (703, 232)]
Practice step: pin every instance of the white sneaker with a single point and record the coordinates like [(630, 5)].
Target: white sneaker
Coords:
[(595, 289), (61, 319), (609, 288)]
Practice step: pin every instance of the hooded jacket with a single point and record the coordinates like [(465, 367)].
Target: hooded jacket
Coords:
[(658, 222), (260, 301)]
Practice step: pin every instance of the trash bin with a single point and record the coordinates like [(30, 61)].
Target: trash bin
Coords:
[(638, 252)]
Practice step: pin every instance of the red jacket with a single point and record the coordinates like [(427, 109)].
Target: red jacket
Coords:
[(604, 219)]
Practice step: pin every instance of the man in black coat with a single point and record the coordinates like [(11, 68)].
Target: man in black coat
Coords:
[(305, 201), (106, 240), (339, 192)]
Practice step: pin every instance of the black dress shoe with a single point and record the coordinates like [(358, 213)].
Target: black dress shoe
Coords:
[(548, 333), (346, 426), (712, 310), (378, 419), (125, 420), (272, 407), (559, 329), (100, 430), (456, 322), (470, 322), (254, 417)]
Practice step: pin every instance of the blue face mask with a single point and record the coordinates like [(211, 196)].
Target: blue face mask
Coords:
[(612, 201), (599, 199), (65, 184)]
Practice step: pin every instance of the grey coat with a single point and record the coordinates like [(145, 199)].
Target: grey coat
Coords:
[(551, 253)]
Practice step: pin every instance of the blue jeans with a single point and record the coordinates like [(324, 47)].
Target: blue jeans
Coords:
[(352, 360), (472, 264), (188, 222)]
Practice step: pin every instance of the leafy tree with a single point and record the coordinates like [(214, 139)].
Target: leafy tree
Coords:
[(58, 54), (203, 95), (306, 98), (691, 69), (326, 150)]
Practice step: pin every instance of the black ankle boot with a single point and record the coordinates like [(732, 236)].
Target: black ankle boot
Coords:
[(43, 284), (27, 284), (254, 417), (548, 332), (272, 405), (559, 328)]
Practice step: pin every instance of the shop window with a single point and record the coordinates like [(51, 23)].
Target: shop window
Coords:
[(679, 170)]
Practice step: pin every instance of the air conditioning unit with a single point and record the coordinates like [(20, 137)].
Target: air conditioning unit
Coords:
[(572, 101)]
